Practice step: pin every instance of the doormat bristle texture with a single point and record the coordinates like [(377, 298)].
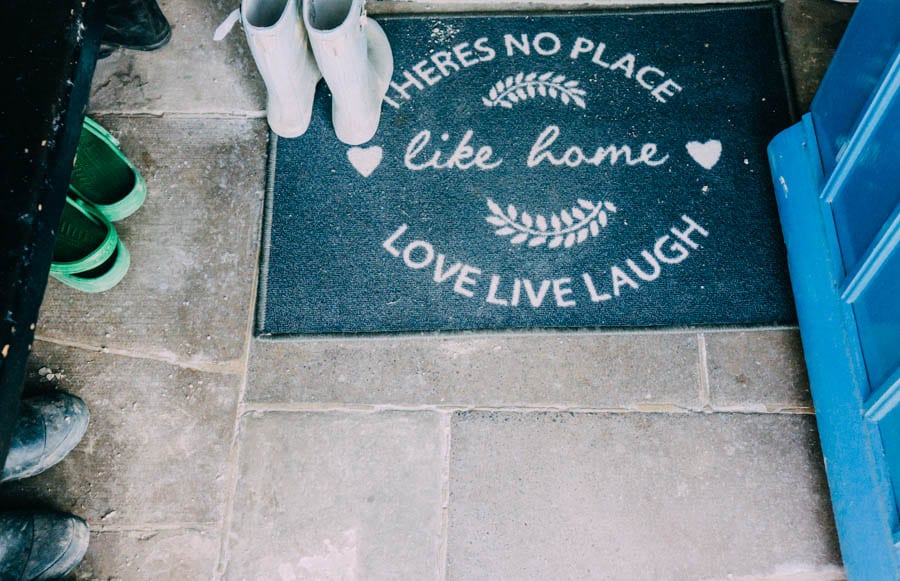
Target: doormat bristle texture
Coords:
[(541, 171)]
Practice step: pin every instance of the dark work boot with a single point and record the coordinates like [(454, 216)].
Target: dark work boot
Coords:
[(49, 426), (135, 24), (40, 546)]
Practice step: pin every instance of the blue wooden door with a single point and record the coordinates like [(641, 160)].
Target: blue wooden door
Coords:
[(837, 179)]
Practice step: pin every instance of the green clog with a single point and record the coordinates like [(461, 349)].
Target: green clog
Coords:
[(103, 277), (86, 239), (103, 176)]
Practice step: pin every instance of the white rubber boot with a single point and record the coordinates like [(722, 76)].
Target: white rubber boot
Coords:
[(280, 47), (355, 58)]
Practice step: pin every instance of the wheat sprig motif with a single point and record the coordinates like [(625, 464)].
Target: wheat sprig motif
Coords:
[(566, 229), (521, 87)]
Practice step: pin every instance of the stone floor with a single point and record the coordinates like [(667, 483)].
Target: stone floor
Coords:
[(682, 454)]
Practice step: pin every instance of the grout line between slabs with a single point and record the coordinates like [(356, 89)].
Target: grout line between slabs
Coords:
[(662, 409), (443, 542), (705, 393), (234, 454), (224, 368), (166, 114), (100, 527)]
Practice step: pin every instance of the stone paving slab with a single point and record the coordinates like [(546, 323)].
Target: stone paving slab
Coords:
[(813, 29), (192, 74), (587, 369), (763, 369), (338, 496), (189, 293), (637, 496), (156, 448), (152, 555)]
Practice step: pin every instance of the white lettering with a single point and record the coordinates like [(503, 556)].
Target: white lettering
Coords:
[(413, 246), (492, 293), (561, 290), (464, 156), (619, 278), (592, 290), (464, 279), (685, 236), (441, 275), (536, 298), (555, 44), (389, 243)]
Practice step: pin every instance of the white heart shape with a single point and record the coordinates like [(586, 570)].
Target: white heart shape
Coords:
[(365, 159), (706, 154)]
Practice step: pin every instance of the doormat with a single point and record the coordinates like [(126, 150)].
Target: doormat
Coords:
[(541, 171)]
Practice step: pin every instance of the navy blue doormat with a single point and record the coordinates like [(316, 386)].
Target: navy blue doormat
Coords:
[(542, 171)]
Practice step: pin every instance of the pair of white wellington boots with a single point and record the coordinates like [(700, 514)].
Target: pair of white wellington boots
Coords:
[(332, 39)]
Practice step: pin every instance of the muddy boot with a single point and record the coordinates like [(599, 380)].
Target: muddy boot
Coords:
[(355, 58), (40, 546), (48, 428), (136, 25)]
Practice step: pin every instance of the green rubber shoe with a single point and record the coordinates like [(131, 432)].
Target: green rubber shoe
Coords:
[(103, 176), (86, 239), (103, 277)]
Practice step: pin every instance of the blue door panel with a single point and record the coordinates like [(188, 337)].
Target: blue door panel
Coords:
[(865, 187), (855, 72), (837, 181), (878, 322), (889, 428)]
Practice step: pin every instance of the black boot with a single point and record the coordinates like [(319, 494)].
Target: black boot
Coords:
[(49, 426), (135, 24), (40, 546)]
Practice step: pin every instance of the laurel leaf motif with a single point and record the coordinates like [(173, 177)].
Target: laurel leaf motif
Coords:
[(565, 229), (519, 238), (495, 208), (609, 206), (521, 87)]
